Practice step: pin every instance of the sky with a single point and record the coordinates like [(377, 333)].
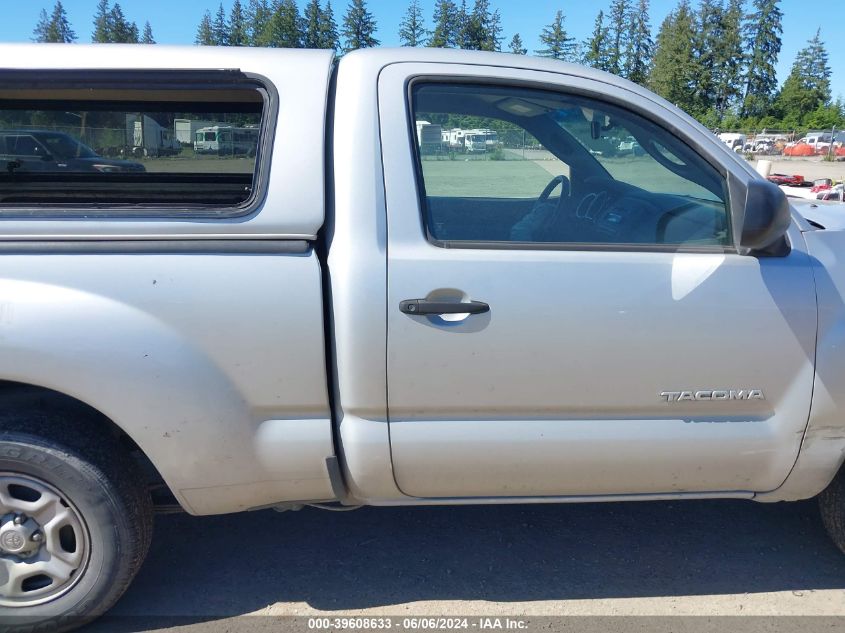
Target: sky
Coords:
[(175, 22)]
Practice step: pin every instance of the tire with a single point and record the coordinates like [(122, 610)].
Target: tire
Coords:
[(832, 506), (110, 516)]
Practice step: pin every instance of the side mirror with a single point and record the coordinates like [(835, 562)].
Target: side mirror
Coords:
[(767, 218), (47, 158)]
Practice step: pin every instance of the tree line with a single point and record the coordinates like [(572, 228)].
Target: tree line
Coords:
[(716, 59), (110, 26)]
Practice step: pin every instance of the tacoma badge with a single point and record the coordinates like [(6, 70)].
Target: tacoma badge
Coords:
[(713, 394)]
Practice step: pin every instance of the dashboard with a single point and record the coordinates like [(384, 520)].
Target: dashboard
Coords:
[(606, 210)]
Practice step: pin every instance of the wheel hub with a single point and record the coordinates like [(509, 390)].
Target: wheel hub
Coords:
[(44, 542), (20, 535)]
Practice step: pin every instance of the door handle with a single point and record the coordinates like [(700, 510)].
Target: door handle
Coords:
[(424, 306)]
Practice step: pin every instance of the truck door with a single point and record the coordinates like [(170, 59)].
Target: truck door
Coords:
[(568, 316)]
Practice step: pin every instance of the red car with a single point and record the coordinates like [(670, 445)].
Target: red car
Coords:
[(783, 179)]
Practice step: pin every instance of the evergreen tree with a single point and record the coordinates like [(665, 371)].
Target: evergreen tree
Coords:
[(826, 117), (205, 32), (59, 28), (618, 33), (493, 39), (729, 59), (482, 30), (463, 27), (41, 32), (412, 27), (328, 29), (516, 46), (219, 29), (285, 28), (763, 31), (639, 47), (147, 37), (102, 23), (558, 44), (808, 86), (237, 30), (675, 70), (710, 22), (596, 51), (311, 22), (258, 15), (122, 30), (359, 27), (445, 33)]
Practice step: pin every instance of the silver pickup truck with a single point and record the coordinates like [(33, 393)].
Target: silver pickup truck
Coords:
[(328, 298)]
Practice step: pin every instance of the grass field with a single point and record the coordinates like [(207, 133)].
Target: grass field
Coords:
[(487, 178), (527, 178), (199, 165)]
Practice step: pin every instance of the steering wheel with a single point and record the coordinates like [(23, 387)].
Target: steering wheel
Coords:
[(544, 214)]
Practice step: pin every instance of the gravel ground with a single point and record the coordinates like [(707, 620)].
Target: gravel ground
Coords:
[(714, 558), (810, 168)]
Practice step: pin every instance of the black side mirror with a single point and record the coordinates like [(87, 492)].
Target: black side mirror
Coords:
[(47, 158), (767, 218)]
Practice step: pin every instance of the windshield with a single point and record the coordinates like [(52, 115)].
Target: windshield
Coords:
[(609, 138)]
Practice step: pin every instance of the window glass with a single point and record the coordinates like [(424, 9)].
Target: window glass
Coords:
[(188, 149), (24, 146), (519, 165)]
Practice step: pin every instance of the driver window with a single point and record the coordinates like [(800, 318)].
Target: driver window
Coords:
[(523, 166), (23, 146)]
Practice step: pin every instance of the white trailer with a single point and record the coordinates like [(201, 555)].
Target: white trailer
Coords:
[(456, 138), (185, 129), (429, 133), (147, 137)]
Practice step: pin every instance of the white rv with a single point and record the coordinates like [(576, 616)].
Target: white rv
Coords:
[(481, 141), (226, 140)]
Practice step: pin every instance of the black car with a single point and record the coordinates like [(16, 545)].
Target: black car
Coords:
[(48, 151)]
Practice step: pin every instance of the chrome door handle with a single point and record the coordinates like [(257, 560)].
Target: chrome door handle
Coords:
[(424, 306)]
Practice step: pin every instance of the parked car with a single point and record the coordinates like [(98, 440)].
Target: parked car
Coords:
[(48, 151), (821, 184), (810, 145), (833, 193), (630, 146), (350, 322), (764, 146), (795, 180)]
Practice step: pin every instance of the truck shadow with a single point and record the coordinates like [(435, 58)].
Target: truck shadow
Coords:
[(214, 567)]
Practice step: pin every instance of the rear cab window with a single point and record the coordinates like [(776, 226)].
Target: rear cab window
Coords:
[(158, 144)]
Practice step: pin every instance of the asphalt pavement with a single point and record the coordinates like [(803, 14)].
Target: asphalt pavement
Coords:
[(693, 558)]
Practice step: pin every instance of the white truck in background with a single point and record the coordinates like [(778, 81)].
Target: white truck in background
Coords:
[(733, 140)]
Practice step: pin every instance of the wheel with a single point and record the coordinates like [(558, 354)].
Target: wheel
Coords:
[(75, 525), (832, 506)]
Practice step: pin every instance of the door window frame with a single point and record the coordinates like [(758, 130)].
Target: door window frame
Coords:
[(499, 82)]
